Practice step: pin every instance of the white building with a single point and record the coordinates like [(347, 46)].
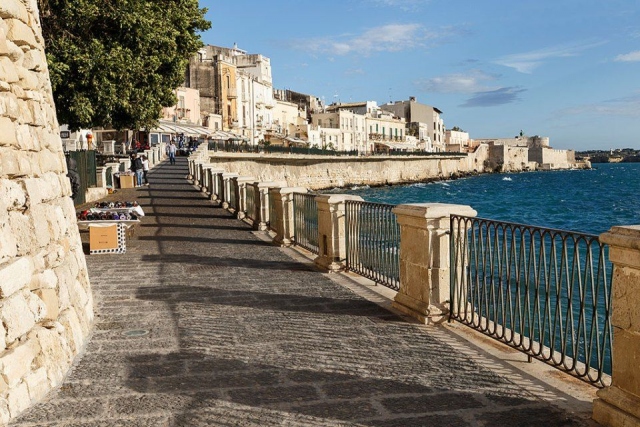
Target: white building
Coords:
[(457, 141)]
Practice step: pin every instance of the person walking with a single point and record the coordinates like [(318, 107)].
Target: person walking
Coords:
[(171, 151), (137, 168), (145, 169)]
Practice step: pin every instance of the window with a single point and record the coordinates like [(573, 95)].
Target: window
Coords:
[(228, 82)]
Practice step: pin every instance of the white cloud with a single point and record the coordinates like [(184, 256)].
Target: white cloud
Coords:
[(402, 4), (629, 57), (528, 61), (627, 106), (386, 38), (471, 82)]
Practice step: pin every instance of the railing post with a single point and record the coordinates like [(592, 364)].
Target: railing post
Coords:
[(241, 195), (101, 177), (424, 259), (264, 202), (619, 404), (332, 244), (215, 189), (194, 168), (114, 168), (227, 179), (283, 200), (124, 165)]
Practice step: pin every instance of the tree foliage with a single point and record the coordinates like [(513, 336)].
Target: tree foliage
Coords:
[(117, 62)]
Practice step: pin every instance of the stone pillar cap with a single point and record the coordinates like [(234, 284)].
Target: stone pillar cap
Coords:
[(229, 175), (244, 178), (433, 210), (337, 198), (269, 184), (622, 236), (287, 190)]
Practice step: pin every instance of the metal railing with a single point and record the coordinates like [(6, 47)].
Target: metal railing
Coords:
[(542, 291), (305, 221), (233, 189), (273, 223), (108, 176), (86, 166), (250, 191), (373, 242)]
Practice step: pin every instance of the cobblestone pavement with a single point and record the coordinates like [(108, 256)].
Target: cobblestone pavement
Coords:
[(201, 323)]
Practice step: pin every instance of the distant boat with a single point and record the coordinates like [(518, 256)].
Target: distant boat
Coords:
[(506, 178)]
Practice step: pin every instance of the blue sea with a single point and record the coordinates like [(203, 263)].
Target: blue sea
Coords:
[(586, 201)]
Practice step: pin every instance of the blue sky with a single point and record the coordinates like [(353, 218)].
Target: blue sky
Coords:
[(566, 69)]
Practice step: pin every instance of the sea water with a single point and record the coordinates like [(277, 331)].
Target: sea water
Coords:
[(586, 201)]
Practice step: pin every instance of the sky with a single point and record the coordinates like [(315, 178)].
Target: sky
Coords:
[(565, 69)]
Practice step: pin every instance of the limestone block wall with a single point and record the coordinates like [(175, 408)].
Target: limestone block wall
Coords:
[(46, 307), (555, 159), (315, 172)]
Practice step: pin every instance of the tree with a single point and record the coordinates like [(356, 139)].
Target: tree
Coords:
[(117, 62), (456, 129)]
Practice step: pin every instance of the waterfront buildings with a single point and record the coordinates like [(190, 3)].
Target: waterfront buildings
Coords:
[(424, 122)]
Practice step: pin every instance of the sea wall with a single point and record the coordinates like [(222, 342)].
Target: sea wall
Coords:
[(549, 159), (319, 172), (46, 305)]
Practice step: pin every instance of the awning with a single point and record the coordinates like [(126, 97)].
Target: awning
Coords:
[(221, 135), (178, 128)]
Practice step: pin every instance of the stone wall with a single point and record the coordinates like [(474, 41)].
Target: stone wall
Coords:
[(321, 172), (46, 305), (549, 158)]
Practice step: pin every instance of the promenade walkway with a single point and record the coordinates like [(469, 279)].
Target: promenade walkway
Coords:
[(202, 323)]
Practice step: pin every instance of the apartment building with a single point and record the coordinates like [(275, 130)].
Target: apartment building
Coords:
[(457, 141), (423, 121), (343, 128), (236, 86)]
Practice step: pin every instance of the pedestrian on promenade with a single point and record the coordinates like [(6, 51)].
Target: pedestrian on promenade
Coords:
[(137, 168), (171, 151), (145, 169)]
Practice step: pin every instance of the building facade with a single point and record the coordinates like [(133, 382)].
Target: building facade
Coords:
[(420, 117)]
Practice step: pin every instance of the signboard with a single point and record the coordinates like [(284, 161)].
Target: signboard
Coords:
[(65, 134)]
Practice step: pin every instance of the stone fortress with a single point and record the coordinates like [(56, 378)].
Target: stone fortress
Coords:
[(46, 303)]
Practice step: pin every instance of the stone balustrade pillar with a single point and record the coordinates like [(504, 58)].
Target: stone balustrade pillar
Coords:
[(332, 244), (149, 154), (114, 168), (204, 174), (194, 170), (424, 259), (282, 198), (101, 177), (264, 203), (215, 187), (228, 181), (241, 195), (619, 404), (109, 147), (124, 165)]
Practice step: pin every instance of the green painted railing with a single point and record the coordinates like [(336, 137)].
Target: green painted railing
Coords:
[(305, 221), (373, 242)]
